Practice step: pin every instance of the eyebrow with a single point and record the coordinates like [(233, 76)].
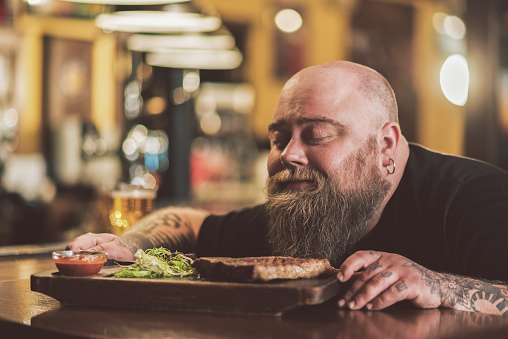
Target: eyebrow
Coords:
[(304, 120)]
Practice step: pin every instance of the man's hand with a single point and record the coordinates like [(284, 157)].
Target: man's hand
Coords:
[(382, 279), (175, 228), (109, 243)]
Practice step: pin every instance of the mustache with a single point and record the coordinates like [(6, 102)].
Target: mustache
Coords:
[(276, 183)]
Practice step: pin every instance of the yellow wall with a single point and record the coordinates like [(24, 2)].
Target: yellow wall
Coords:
[(31, 112), (440, 124), (33, 30)]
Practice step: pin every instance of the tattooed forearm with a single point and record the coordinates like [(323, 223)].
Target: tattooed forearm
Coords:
[(466, 293), (163, 228)]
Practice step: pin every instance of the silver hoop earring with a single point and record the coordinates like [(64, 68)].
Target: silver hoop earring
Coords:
[(388, 168)]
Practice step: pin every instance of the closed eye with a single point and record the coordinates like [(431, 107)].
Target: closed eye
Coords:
[(278, 139), (315, 135), (316, 140)]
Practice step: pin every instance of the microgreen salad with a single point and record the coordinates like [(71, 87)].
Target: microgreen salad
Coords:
[(158, 263)]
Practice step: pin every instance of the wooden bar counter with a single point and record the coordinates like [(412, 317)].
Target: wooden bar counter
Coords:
[(24, 313)]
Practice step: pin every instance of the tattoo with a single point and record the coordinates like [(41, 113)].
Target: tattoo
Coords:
[(163, 228), (375, 266), (401, 286), (474, 295), (386, 274)]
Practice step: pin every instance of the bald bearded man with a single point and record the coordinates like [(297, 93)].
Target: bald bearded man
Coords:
[(400, 221)]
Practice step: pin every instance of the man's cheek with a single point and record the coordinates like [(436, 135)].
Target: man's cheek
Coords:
[(274, 164)]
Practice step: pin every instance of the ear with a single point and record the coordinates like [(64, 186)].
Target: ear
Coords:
[(389, 143)]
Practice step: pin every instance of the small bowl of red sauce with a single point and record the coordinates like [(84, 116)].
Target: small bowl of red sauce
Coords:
[(79, 263)]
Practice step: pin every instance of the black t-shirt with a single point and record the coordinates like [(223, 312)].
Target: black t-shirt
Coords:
[(449, 214)]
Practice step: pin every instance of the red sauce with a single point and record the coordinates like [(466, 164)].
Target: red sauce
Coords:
[(78, 267)]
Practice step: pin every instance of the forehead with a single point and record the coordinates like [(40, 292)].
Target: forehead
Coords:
[(314, 109), (321, 96)]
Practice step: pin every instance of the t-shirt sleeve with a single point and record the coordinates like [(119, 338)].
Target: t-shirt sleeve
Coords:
[(236, 234), (478, 228)]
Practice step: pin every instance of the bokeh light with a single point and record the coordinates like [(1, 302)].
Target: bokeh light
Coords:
[(133, 101), (148, 151), (454, 27), (155, 105), (454, 79), (191, 82), (11, 118), (211, 123), (449, 25), (288, 20)]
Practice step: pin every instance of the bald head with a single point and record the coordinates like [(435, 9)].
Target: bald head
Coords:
[(341, 80)]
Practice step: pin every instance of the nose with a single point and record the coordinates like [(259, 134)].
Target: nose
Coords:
[(294, 155)]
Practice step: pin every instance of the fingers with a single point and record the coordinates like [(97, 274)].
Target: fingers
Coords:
[(363, 292), (115, 250), (390, 296), (376, 282), (89, 240), (104, 242), (380, 284), (83, 242), (356, 262)]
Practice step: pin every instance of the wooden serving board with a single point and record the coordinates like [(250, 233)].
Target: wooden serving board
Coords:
[(189, 294)]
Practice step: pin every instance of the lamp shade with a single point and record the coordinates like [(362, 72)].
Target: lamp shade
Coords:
[(127, 2), (195, 58), (151, 42), (157, 22)]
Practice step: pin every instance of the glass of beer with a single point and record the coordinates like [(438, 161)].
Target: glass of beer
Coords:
[(128, 204)]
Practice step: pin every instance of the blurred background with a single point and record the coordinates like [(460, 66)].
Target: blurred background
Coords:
[(177, 95)]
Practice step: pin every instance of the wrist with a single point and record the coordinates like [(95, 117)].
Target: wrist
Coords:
[(129, 247)]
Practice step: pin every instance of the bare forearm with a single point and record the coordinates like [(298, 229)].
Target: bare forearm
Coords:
[(381, 279), (467, 294), (174, 228)]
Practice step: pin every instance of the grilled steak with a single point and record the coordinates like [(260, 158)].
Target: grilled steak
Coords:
[(261, 268)]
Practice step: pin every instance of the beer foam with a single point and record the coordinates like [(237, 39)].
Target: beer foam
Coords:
[(136, 193)]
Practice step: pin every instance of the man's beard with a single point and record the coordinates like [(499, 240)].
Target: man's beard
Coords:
[(324, 221)]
